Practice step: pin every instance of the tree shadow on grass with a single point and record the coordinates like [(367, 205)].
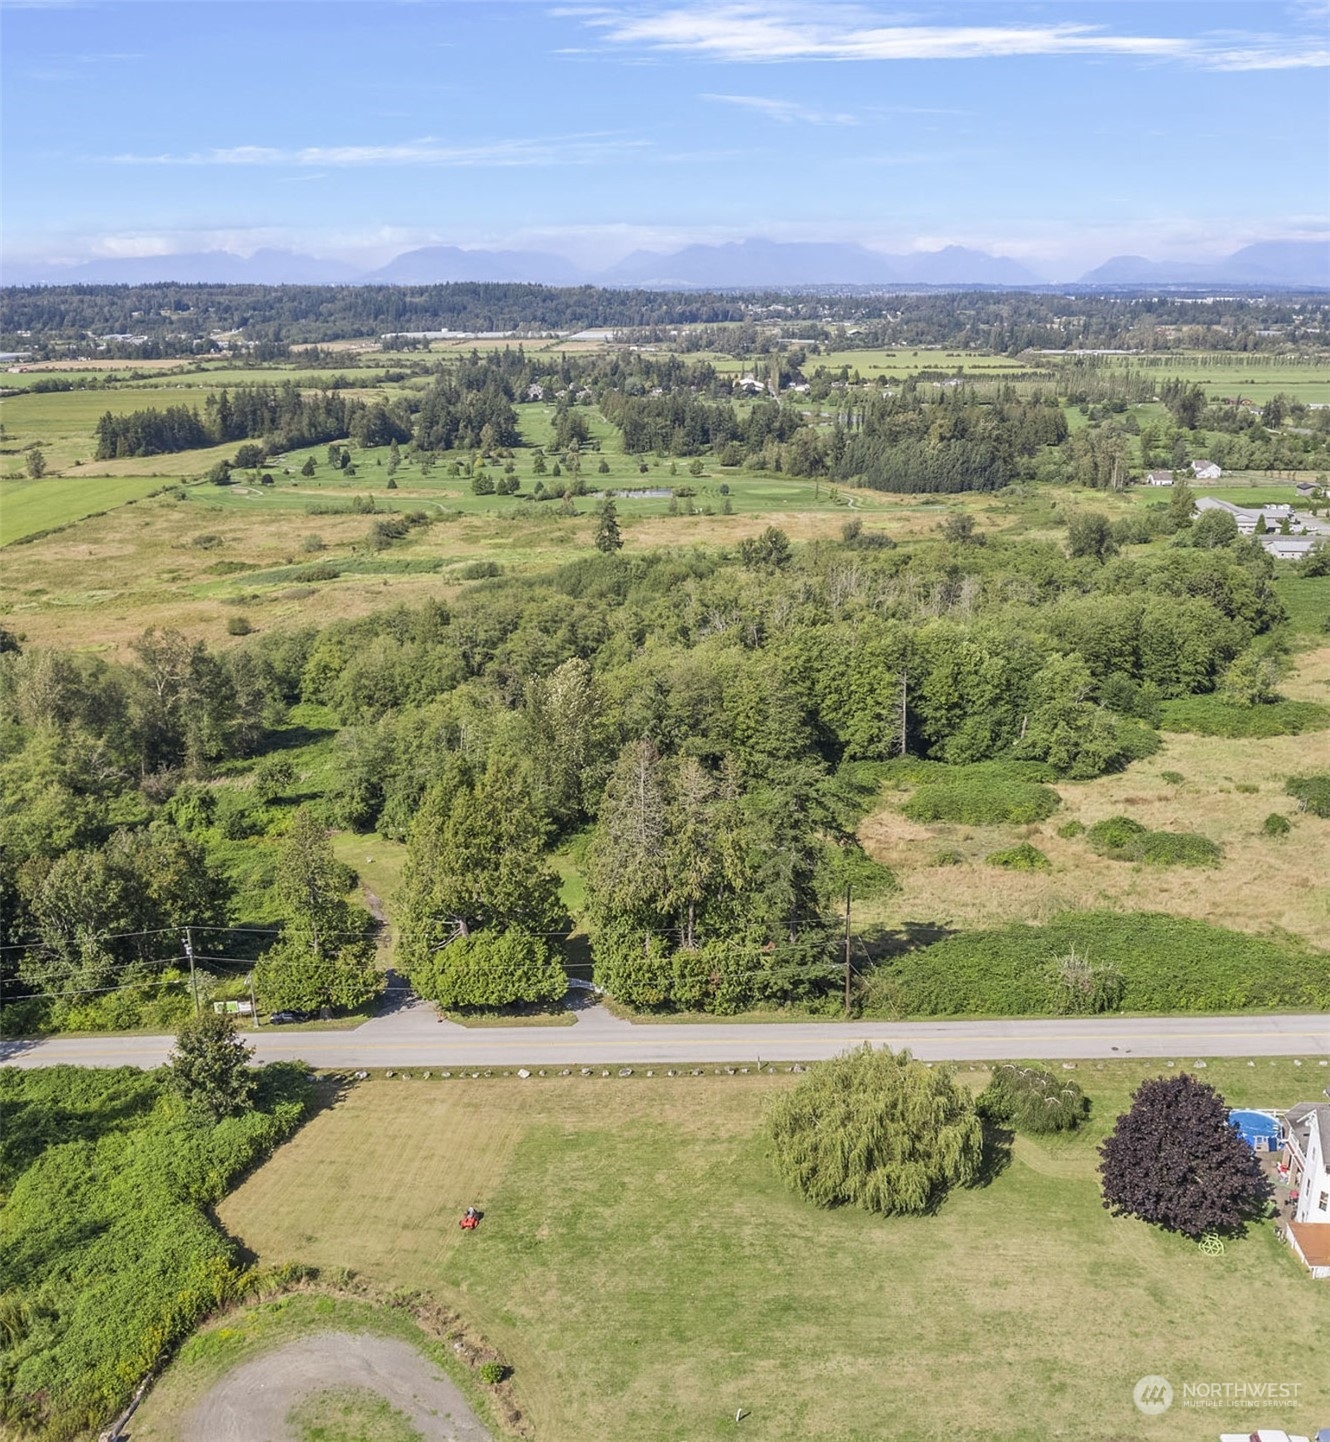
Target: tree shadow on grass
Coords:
[(883, 943), (996, 1156)]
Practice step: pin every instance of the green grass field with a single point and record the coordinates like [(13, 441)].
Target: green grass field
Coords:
[(646, 1275), (27, 507)]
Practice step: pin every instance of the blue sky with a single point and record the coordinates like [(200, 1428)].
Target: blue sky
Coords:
[(1057, 133)]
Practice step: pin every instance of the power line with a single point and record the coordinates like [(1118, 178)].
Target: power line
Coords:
[(101, 990)]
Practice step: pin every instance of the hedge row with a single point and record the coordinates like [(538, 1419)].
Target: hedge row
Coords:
[(1166, 964)]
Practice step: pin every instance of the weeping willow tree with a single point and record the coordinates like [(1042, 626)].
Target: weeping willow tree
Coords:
[(1031, 1099), (877, 1130)]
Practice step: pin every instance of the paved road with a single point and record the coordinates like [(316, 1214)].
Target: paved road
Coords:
[(411, 1036)]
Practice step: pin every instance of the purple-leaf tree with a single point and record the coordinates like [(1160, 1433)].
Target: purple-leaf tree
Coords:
[(1175, 1160)]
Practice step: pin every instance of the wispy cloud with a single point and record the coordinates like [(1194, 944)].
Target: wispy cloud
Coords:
[(587, 149), (787, 112), (748, 32)]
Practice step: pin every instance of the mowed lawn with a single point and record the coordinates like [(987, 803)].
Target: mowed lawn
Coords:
[(27, 507), (646, 1274)]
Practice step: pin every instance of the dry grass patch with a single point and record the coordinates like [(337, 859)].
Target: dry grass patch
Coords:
[(1263, 883)]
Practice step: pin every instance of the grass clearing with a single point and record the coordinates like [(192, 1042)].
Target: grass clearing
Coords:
[(645, 1273)]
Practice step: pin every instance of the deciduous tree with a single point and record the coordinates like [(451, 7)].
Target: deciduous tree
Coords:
[(877, 1130), (1175, 1160)]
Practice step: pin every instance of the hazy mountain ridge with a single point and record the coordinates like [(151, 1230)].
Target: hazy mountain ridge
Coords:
[(1266, 262), (731, 265)]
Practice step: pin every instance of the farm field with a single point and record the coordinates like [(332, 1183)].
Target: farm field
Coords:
[(645, 1273)]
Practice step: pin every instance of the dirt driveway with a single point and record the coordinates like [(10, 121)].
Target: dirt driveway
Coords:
[(251, 1403)]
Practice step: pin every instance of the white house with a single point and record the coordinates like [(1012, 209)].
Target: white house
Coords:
[(1159, 478), (1307, 1155), (1206, 470)]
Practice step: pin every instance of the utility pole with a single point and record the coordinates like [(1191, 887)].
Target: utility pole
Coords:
[(905, 711), (253, 1005), (847, 949), (193, 980)]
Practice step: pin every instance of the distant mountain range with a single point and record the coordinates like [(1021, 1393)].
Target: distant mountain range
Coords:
[(1268, 262), (738, 264)]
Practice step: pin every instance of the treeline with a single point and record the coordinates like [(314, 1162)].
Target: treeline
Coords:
[(302, 314), (182, 319), (284, 416)]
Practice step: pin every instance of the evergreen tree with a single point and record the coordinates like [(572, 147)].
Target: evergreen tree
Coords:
[(475, 861), (608, 539), (210, 1066)]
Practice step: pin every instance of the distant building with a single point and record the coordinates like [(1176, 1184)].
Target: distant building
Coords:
[(1159, 478), (1206, 470), (1290, 548)]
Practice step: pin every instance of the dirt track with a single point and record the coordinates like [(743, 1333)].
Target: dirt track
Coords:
[(251, 1403)]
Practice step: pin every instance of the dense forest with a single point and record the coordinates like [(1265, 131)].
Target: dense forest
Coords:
[(705, 730)]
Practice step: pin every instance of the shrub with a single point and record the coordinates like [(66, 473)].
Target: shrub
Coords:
[(1213, 716), (1312, 791), (949, 858), (1174, 778), (1030, 1099), (1180, 848), (1117, 833), (1276, 825), (290, 977), (1122, 839), (313, 543), (877, 1130), (1078, 988), (208, 541), (1019, 858), (982, 801), (491, 1373), (238, 626), (479, 570), (1070, 829)]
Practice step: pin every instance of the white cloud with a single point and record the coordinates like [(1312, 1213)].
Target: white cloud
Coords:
[(748, 32), (785, 111), (553, 150)]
